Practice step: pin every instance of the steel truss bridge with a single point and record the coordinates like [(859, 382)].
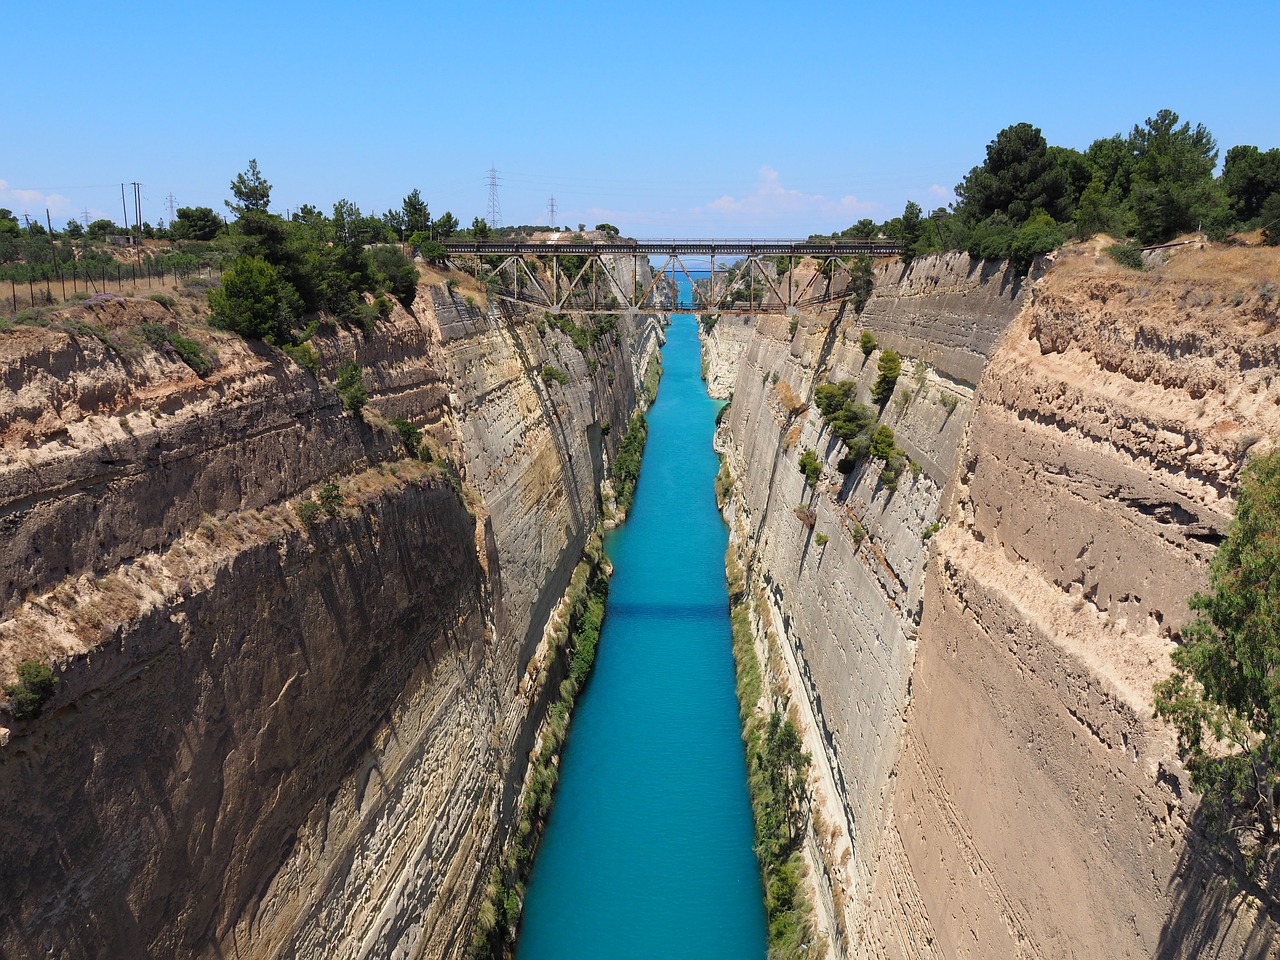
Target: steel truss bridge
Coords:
[(569, 277)]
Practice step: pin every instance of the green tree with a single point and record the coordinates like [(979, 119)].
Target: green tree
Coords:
[(1077, 174), (1270, 217), (862, 282), (195, 223), (867, 342), (1249, 177), (74, 229), (1018, 176), (1092, 212), (1037, 236), (889, 367), (479, 229), (446, 226), (416, 215), (254, 301), (912, 225), (608, 229), (251, 190), (1223, 696), (1172, 188)]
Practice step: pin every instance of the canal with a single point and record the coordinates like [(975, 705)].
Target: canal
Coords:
[(648, 848)]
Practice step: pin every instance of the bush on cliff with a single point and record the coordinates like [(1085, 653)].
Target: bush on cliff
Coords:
[(35, 686), (889, 368), (810, 466), (255, 302), (1223, 696)]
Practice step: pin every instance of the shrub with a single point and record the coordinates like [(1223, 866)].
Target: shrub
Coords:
[(890, 367), (163, 299), (351, 387), (821, 539), (1270, 217), (184, 348), (329, 498), (1127, 255), (33, 690), (254, 301), (1037, 236), (410, 435), (626, 465), (1223, 696), (303, 356), (862, 281), (397, 273), (308, 512), (553, 374), (810, 466)]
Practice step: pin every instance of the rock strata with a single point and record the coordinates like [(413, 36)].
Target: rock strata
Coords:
[(273, 738)]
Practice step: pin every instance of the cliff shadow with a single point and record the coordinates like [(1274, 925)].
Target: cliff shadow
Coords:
[(1216, 911)]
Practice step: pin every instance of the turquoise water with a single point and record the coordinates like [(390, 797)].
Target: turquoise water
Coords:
[(648, 849)]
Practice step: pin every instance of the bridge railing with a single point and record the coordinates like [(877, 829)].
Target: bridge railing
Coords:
[(678, 247)]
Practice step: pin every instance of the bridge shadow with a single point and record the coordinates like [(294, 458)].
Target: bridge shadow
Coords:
[(1217, 912)]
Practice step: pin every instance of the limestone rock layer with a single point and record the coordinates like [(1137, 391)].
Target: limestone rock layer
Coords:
[(974, 653), (272, 738)]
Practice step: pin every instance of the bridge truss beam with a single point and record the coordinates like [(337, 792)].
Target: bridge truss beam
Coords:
[(582, 278)]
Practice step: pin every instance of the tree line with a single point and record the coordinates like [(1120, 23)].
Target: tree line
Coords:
[(1028, 197)]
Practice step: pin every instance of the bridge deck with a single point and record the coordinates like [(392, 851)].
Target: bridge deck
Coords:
[(675, 248)]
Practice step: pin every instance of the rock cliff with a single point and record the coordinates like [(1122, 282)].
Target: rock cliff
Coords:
[(973, 653), (273, 738)]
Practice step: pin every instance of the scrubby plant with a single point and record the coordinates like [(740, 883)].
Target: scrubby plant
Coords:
[(303, 356), (1223, 696), (553, 374), (308, 512), (33, 690), (410, 435), (351, 387), (889, 368), (329, 497), (810, 466), (1127, 255), (184, 348)]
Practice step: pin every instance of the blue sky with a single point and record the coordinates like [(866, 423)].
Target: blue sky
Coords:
[(667, 119)]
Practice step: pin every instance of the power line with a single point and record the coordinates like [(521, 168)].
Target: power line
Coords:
[(495, 207), (551, 211)]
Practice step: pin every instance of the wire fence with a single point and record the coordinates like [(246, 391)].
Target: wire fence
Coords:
[(73, 281)]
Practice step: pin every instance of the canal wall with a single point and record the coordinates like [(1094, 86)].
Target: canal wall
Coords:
[(972, 653), (271, 737)]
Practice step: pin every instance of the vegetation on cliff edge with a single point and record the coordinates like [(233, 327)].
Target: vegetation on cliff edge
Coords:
[(777, 771), (498, 921), (1223, 696)]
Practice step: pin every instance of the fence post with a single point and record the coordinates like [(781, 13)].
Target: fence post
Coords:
[(13, 292)]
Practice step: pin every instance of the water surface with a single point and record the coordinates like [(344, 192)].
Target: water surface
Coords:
[(648, 849)]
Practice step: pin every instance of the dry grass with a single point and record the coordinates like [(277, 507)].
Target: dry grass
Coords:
[(789, 399)]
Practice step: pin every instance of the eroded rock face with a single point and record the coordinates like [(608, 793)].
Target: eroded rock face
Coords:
[(983, 700), (848, 610), (268, 739)]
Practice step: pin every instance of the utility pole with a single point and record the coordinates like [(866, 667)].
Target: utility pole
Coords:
[(551, 212), (137, 218), (495, 207), (124, 207), (85, 214)]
